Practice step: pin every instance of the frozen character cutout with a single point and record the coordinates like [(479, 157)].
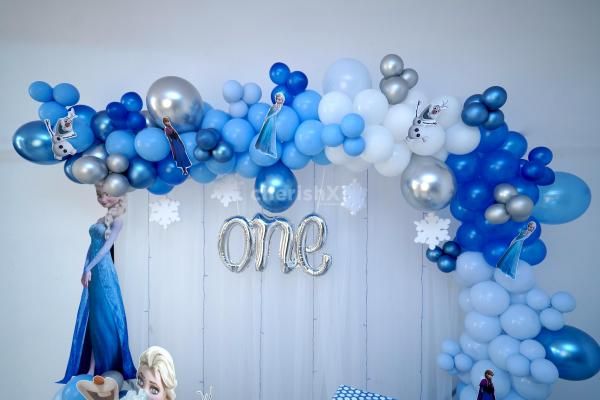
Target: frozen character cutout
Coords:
[(182, 160), (510, 259), (99, 388), (156, 374), (427, 118), (486, 387), (266, 142), (62, 132), (100, 340)]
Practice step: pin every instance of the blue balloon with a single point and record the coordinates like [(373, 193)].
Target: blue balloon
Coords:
[(526, 187), (465, 167), (499, 166), (201, 155), (292, 157), (40, 91), (352, 125), (494, 120), (85, 136), (475, 195), (540, 154), (276, 188), (232, 91), (200, 173), (474, 114), (246, 167), (262, 159), (494, 97), (206, 107), (289, 97), (308, 137), (70, 391), (306, 104), (84, 113), (223, 152), (102, 125), (239, 109), (167, 171), (493, 250), (215, 119), (136, 121), (141, 173), (469, 237), (116, 111), (321, 159), (257, 114), (252, 93), (68, 167), (221, 167), (238, 133), (52, 111), (491, 139), (121, 142), (151, 144), (286, 124), (132, 101), (279, 73), (33, 142), (452, 248), (207, 139), (65, 94), (575, 354), (533, 170), (461, 213), (446, 263), (332, 135), (475, 98), (515, 143), (434, 254), (160, 187), (547, 178), (354, 146), (534, 253), (297, 82)]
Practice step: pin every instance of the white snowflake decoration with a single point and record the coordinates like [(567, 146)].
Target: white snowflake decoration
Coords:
[(227, 190), (432, 230), (164, 211), (354, 197), (205, 396)]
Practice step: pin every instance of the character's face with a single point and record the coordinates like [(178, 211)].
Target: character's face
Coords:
[(435, 110), (489, 375), (106, 200), (279, 98), (166, 121), (531, 226), (151, 383)]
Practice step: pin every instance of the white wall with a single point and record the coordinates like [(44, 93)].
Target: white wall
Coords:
[(376, 318)]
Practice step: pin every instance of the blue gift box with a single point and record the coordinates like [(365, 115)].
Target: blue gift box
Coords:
[(349, 393)]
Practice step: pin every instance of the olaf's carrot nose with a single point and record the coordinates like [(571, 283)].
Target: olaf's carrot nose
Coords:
[(98, 380)]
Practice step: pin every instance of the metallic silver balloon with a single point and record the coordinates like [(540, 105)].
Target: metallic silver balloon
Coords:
[(519, 207), (427, 183), (223, 244), (177, 99), (302, 250), (391, 65), (98, 151), (88, 169), (394, 88), (496, 214), (263, 228), (503, 192), (117, 163), (410, 76), (115, 185), (149, 121)]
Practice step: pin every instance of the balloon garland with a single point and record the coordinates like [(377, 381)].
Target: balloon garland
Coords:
[(463, 156)]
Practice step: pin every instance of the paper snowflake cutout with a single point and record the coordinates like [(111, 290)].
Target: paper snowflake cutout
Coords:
[(164, 211), (205, 396), (432, 230), (354, 197), (227, 190)]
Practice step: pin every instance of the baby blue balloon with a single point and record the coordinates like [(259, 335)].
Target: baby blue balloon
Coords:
[(221, 167), (354, 146), (246, 167), (286, 124), (215, 119), (151, 144), (306, 105), (70, 392), (239, 109), (321, 159), (232, 91), (292, 157), (352, 125), (262, 159), (65, 94), (257, 114), (563, 201), (308, 137), (238, 133), (332, 135), (121, 142), (200, 173), (252, 93), (40, 91), (33, 143), (52, 111)]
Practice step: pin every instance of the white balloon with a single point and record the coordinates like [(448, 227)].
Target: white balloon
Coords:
[(481, 327), (538, 299), (489, 298), (520, 322), (357, 164), (431, 141), (517, 365), (471, 268), (501, 378), (397, 163), (552, 319), (523, 282), (379, 144), (532, 349), (462, 139), (398, 120), (347, 75), (333, 107), (501, 348), (414, 97), (474, 349), (451, 114), (372, 105), (464, 300), (337, 155), (544, 371), (563, 301), (441, 155), (468, 393), (530, 389)]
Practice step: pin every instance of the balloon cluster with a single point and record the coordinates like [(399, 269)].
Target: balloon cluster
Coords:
[(397, 80), (241, 97), (484, 109), (445, 256), (536, 169), (510, 205), (289, 83)]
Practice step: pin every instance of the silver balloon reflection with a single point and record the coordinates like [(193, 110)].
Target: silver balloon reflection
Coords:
[(223, 244), (302, 250), (503, 192), (520, 207), (394, 88), (149, 121), (117, 163), (410, 76), (497, 214), (427, 183), (88, 169), (115, 185), (177, 99), (263, 228), (391, 65), (97, 151)]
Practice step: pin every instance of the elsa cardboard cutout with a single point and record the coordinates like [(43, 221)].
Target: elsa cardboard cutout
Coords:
[(266, 142)]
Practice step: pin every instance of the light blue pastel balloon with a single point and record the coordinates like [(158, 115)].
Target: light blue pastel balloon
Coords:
[(308, 137), (215, 119), (529, 388), (252, 93), (474, 349), (552, 319), (232, 91), (489, 298), (292, 157), (332, 135), (445, 361), (239, 109), (352, 125), (160, 187), (34, 144), (246, 167), (520, 322), (463, 362), (538, 299), (532, 349), (501, 348), (347, 75), (563, 301), (563, 201), (257, 114), (482, 327), (262, 159), (517, 365), (238, 133), (221, 167), (451, 347), (40, 91), (200, 173), (321, 159), (354, 146), (52, 111), (151, 144), (65, 94), (306, 105), (121, 142), (286, 124), (544, 371)]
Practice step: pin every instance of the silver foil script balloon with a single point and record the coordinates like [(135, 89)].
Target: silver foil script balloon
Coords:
[(503, 192), (410, 76), (427, 183), (519, 207), (117, 163), (223, 243), (88, 169), (115, 185), (395, 89), (497, 214), (97, 151), (177, 99), (264, 227), (302, 249), (391, 65)]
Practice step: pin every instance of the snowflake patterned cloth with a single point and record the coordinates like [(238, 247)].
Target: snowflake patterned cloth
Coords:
[(432, 230), (164, 212), (227, 190), (354, 197), (350, 393)]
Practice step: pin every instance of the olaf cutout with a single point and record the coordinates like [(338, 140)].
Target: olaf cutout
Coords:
[(62, 132), (427, 118)]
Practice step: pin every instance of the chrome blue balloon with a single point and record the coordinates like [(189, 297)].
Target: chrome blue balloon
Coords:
[(207, 139), (541, 154), (434, 254), (132, 101), (141, 173), (446, 263), (102, 125), (68, 167), (160, 187), (452, 248), (563, 201), (201, 155), (33, 142), (116, 111), (494, 97), (475, 98), (575, 354), (279, 73), (222, 152), (276, 188), (494, 120), (515, 143), (474, 114), (491, 139)]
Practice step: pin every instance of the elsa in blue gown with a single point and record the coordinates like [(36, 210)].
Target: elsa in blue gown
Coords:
[(266, 142), (100, 341), (510, 259)]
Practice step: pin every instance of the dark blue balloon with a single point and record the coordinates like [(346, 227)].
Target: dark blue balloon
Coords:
[(526, 187), (201, 155), (494, 97), (475, 195), (452, 248), (52, 111), (533, 170), (68, 167), (141, 173), (534, 253), (461, 213), (465, 167), (541, 154), (116, 111), (575, 354), (279, 73), (494, 120), (474, 114), (289, 97), (434, 254), (168, 172), (499, 166), (223, 152), (547, 178), (102, 125), (475, 98), (40, 91), (493, 250), (515, 143), (84, 113), (469, 237), (485, 227), (276, 188), (160, 187), (207, 139), (136, 121), (34, 144), (297, 82), (491, 139), (132, 102), (446, 263)]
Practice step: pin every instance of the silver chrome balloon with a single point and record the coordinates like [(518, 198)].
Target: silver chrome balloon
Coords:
[(88, 169), (149, 121), (177, 99), (223, 244), (410, 76), (395, 89), (497, 214), (98, 151), (263, 228), (503, 192), (117, 163), (427, 183), (519, 207), (115, 185), (302, 250), (391, 65)]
